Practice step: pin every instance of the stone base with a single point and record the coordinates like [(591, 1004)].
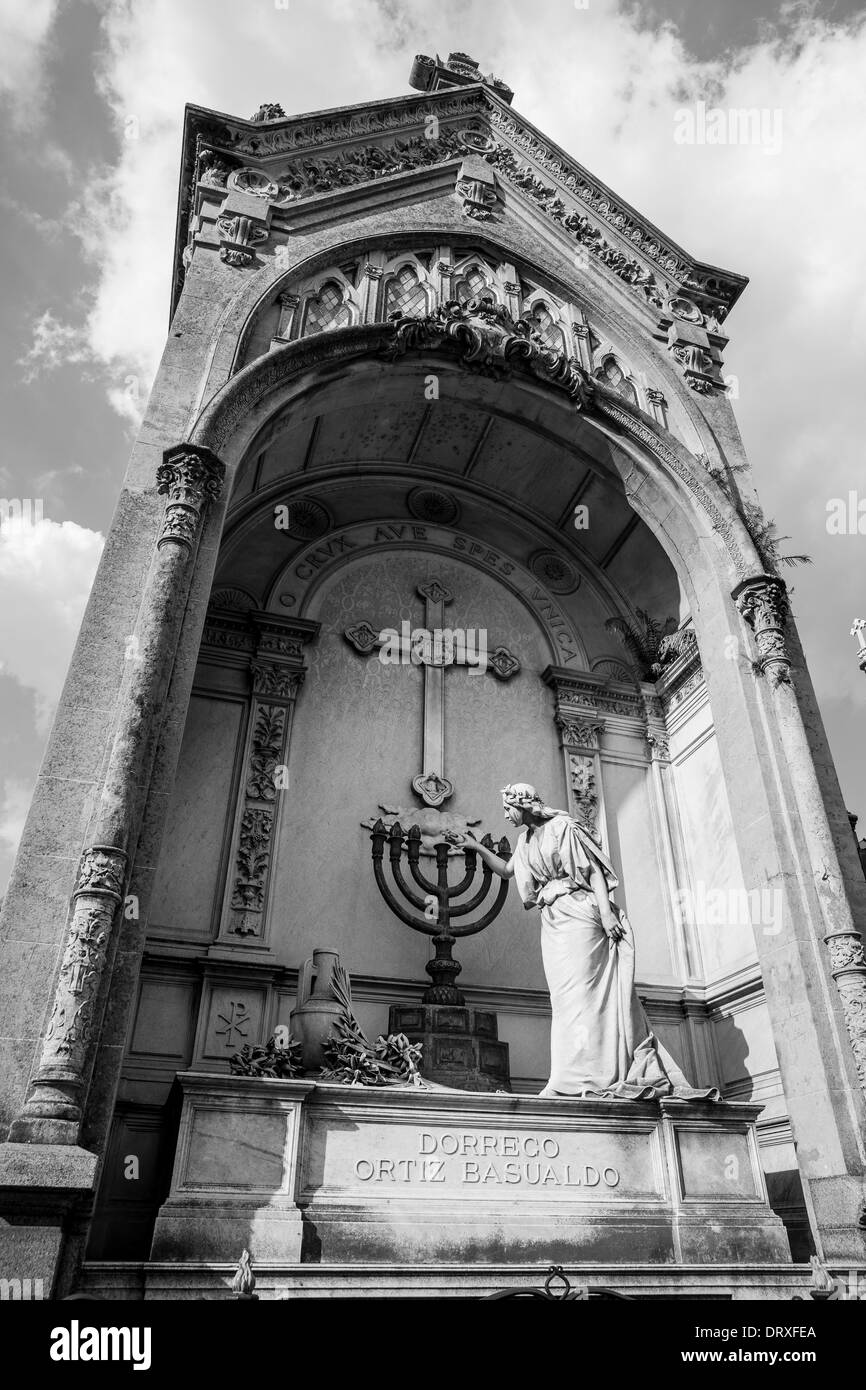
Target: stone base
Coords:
[(309, 1173), (461, 1046), (41, 1187), (235, 1171), (656, 1283)]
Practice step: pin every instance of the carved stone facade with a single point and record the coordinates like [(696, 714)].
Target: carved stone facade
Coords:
[(336, 268), (449, 125)]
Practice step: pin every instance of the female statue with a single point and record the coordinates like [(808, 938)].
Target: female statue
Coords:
[(600, 1039)]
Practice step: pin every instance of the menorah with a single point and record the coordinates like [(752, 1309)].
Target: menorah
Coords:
[(460, 1044)]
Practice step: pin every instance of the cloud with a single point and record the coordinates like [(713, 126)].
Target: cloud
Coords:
[(15, 794), (46, 571), (54, 344), (24, 28)]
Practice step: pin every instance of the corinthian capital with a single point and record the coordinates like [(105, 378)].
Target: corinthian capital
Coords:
[(763, 604), (190, 477)]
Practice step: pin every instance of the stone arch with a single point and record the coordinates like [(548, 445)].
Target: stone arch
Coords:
[(665, 484)]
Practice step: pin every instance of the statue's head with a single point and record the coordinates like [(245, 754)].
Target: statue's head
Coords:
[(518, 797)]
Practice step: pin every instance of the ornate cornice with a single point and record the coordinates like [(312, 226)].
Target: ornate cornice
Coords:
[(249, 629), (215, 145), (477, 121), (636, 233), (580, 698)]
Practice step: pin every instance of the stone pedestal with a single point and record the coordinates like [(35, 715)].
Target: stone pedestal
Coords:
[(304, 1173), (461, 1046), (235, 1171)]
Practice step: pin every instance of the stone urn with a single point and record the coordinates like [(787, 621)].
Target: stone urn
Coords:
[(318, 1008)]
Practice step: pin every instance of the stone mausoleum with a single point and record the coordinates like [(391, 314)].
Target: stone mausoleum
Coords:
[(427, 374)]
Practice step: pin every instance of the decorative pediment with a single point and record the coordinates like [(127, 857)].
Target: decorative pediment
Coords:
[(468, 116)]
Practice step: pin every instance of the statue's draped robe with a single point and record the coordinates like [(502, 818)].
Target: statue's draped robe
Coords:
[(600, 1040)]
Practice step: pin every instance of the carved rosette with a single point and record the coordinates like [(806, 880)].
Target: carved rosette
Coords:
[(190, 478), (848, 968), (763, 604), (98, 892)]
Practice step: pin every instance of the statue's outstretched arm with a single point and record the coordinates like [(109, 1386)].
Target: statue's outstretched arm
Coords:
[(487, 856)]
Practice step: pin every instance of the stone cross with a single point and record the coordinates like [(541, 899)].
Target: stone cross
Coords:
[(434, 647)]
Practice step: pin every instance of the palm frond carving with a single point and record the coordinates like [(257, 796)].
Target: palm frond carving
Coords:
[(643, 640)]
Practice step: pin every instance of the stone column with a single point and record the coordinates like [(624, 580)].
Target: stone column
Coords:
[(763, 604), (583, 349), (288, 303), (445, 271), (664, 809), (190, 478), (276, 673), (658, 405), (370, 293), (513, 300)]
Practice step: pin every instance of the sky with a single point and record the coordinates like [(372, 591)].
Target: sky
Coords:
[(91, 105)]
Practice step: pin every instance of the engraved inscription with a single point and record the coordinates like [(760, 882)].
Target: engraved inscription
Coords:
[(499, 1159)]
